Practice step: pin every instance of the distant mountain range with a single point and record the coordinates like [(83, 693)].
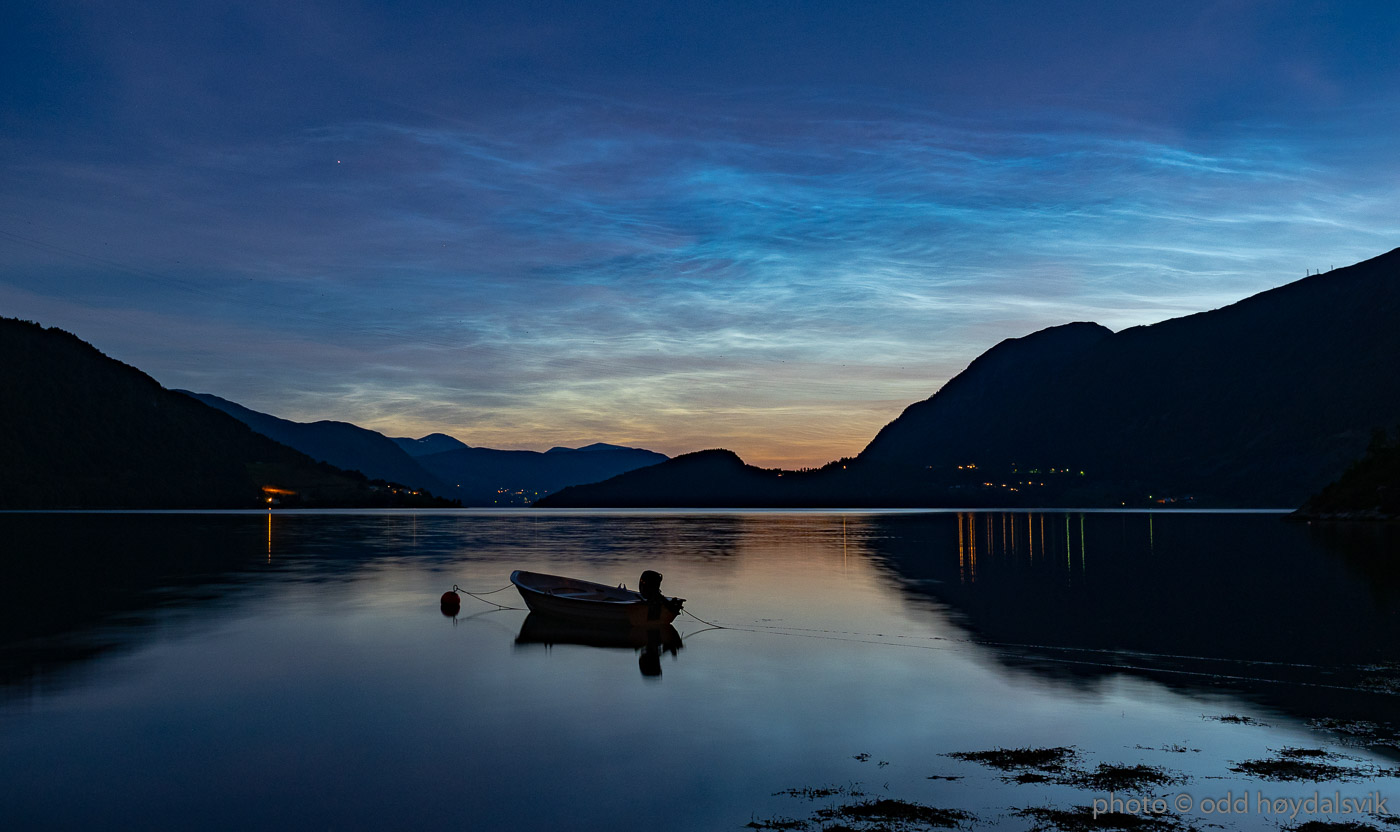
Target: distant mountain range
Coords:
[(440, 463), (486, 476), (81, 430), (342, 444), (1260, 403)]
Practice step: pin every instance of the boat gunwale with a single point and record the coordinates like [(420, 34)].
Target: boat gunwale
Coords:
[(545, 602), (634, 596)]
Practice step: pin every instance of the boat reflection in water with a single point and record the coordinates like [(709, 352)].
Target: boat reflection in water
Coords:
[(652, 641)]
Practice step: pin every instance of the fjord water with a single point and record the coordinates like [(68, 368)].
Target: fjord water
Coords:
[(293, 670)]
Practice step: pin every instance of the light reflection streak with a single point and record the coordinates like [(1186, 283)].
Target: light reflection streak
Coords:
[(1010, 547), (1068, 547), (1082, 552), (962, 551)]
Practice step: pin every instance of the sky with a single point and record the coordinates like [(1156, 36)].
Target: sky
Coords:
[(764, 226)]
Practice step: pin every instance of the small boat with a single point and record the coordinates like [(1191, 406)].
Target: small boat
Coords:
[(570, 598)]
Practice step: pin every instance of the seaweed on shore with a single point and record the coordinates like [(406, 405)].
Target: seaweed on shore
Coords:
[(1171, 748), (901, 813), (883, 815), (1309, 765), (1359, 732), (818, 792), (1123, 778), (1030, 765), (777, 823), (1236, 719), (1057, 765)]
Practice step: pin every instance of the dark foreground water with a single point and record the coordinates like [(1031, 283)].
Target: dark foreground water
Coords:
[(239, 671)]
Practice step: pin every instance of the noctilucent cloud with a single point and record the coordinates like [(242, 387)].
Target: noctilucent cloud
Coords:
[(763, 226)]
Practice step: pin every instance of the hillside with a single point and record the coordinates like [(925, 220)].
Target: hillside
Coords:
[(1260, 403), (708, 479), (1368, 490), (81, 430), (342, 444)]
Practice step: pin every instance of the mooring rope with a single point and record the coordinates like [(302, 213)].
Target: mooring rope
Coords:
[(477, 596), (703, 621), (484, 592)]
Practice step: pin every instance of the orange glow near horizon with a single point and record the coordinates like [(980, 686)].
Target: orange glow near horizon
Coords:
[(790, 439)]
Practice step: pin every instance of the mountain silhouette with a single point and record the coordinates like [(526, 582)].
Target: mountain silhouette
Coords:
[(440, 463), (1368, 490), (433, 443), (81, 430), (1260, 403), (342, 444), (595, 448), (487, 476), (715, 478), (977, 406)]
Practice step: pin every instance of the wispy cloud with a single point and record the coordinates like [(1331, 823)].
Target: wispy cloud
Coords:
[(746, 271)]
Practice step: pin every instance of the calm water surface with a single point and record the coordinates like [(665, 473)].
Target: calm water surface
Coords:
[(232, 671)]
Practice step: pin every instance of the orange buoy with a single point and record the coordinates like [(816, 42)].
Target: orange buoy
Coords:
[(451, 603)]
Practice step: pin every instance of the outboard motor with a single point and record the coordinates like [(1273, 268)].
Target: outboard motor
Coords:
[(649, 587)]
